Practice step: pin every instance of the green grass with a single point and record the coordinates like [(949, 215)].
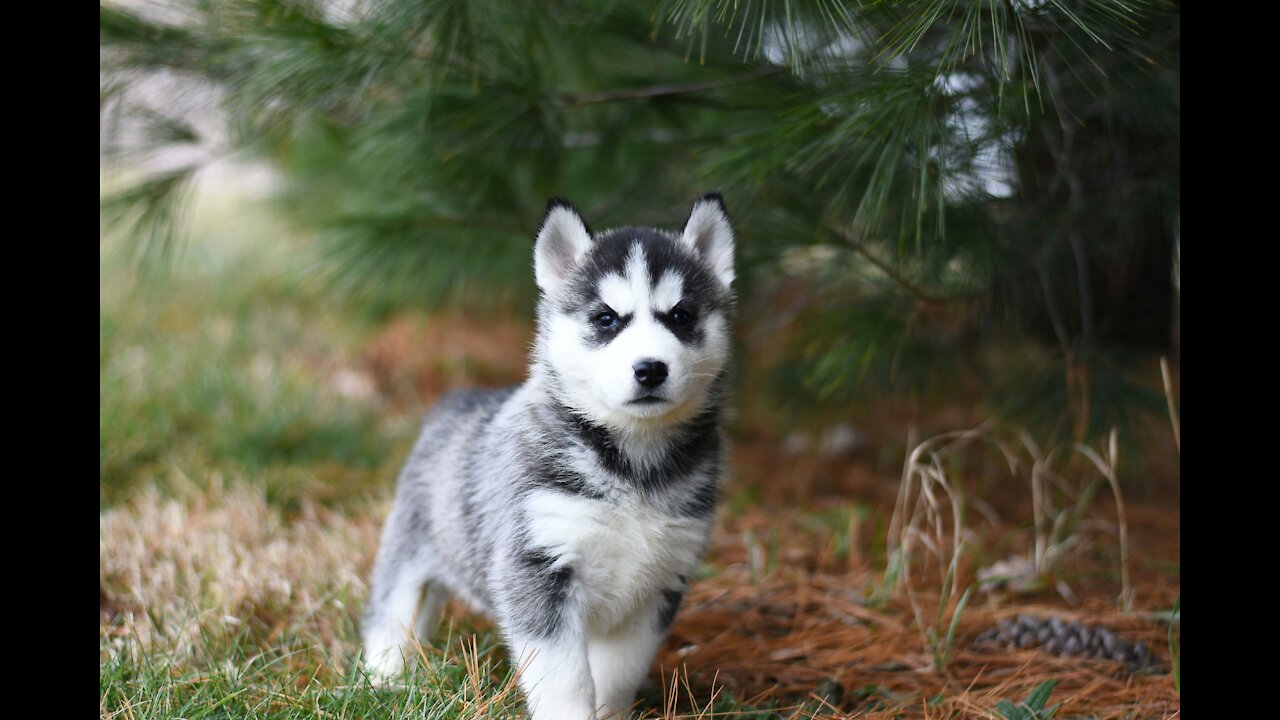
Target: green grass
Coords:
[(284, 682), (224, 366), (464, 681), (1033, 708)]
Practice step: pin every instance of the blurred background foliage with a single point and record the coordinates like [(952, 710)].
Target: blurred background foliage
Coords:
[(963, 199)]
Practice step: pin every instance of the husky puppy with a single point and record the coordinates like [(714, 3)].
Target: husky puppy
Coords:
[(575, 508)]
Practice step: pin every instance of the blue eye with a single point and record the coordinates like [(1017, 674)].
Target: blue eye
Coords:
[(680, 316), (605, 320)]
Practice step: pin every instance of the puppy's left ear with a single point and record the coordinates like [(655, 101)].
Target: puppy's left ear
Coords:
[(708, 232)]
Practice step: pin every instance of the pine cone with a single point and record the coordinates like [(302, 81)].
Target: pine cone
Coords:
[(1074, 639)]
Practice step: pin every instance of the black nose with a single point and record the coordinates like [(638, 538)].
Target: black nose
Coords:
[(650, 373)]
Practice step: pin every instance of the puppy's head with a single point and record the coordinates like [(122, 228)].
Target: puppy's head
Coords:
[(634, 322)]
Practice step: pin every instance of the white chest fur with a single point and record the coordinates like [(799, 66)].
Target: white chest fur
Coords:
[(621, 554)]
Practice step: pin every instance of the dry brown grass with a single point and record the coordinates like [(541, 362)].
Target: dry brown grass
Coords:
[(413, 359), (172, 569)]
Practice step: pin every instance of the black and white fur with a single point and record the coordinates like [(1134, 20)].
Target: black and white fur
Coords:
[(575, 508)]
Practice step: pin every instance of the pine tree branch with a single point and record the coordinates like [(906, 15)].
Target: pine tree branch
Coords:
[(901, 280), (574, 100)]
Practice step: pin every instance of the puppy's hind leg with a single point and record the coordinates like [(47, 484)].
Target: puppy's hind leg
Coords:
[(390, 618)]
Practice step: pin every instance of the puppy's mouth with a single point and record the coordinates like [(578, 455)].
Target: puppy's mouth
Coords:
[(647, 400)]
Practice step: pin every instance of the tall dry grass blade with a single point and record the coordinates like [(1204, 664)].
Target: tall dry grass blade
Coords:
[(1173, 409), (929, 516), (1039, 500), (1108, 470)]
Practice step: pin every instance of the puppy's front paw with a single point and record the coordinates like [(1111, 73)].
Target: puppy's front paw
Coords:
[(552, 708), (384, 666)]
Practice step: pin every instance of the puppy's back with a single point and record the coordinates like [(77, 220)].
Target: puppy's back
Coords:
[(451, 466)]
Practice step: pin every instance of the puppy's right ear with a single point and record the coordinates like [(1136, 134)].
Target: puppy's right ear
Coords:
[(562, 241)]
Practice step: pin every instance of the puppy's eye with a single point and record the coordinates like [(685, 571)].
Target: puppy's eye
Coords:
[(680, 316), (605, 320)]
